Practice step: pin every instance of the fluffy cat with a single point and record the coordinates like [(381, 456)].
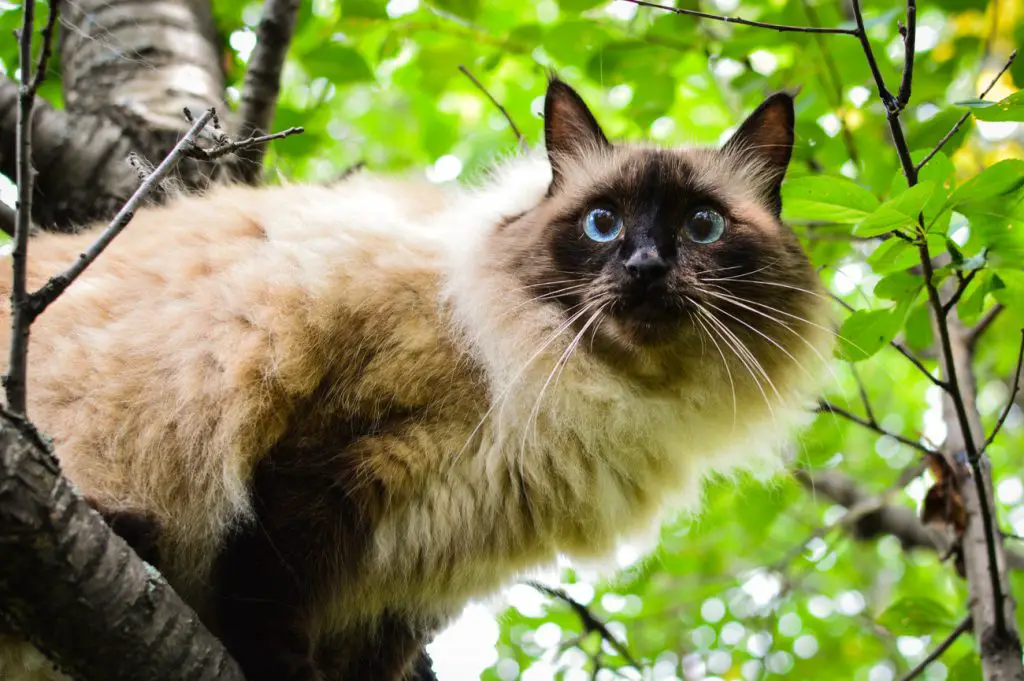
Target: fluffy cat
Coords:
[(349, 413)]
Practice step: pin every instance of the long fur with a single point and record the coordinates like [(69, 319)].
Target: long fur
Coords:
[(217, 327)]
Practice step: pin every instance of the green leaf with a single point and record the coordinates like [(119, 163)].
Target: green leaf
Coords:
[(917, 616), (893, 255), (467, 9), (972, 302), (367, 9), (918, 328), (1009, 109), (898, 285), (967, 668), (997, 180), (339, 63), (865, 332), (826, 198), (900, 211)]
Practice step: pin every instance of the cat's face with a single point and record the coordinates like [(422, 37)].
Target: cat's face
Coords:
[(646, 248)]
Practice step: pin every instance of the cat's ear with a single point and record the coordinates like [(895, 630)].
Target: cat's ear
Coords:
[(570, 130), (767, 136)]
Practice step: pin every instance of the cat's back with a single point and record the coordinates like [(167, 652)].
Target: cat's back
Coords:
[(179, 356)]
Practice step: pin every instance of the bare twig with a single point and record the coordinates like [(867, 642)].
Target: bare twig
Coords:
[(963, 119), (590, 622), (939, 649), (983, 324), (887, 98), (829, 408), (865, 400), (1009, 402), (909, 34), (46, 49), (226, 146), (57, 284), (746, 22), (504, 112), (21, 317), (965, 281), (263, 79)]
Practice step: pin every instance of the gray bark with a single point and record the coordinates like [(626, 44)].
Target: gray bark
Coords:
[(129, 68), (65, 574), (1000, 654)]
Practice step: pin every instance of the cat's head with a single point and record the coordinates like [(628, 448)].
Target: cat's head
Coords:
[(678, 249)]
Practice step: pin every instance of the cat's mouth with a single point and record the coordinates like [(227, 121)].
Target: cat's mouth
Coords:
[(652, 315)]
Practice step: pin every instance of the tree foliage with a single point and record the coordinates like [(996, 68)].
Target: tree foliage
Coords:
[(771, 579)]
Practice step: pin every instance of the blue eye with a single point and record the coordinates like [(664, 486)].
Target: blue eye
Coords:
[(602, 225), (704, 226)]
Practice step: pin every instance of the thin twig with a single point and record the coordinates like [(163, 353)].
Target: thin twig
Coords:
[(865, 400), (1010, 400), (939, 649), (590, 622), (965, 281), (899, 347), (746, 22), (263, 79), (21, 316), (57, 284), (193, 150), (825, 407), (883, 92), (46, 49), (963, 119), (983, 324), (909, 33), (500, 107)]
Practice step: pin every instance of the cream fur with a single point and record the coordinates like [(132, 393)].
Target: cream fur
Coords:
[(198, 339)]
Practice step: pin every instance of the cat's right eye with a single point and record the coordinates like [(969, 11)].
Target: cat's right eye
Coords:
[(602, 225)]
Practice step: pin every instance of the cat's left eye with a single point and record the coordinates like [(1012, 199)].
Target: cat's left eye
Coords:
[(602, 225), (704, 226)]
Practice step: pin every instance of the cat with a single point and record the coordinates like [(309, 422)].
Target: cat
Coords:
[(348, 415)]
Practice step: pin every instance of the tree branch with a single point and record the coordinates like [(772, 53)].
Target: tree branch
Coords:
[(64, 572), (59, 283), (939, 649), (783, 28), (1010, 401), (825, 407), (590, 622), (984, 559), (909, 34), (963, 119), (504, 112), (983, 324), (17, 366), (263, 80)]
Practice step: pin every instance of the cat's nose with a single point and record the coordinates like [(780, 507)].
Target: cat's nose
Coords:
[(646, 264)]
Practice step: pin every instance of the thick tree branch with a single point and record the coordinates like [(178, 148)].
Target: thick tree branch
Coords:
[(263, 80), (65, 573), (899, 521)]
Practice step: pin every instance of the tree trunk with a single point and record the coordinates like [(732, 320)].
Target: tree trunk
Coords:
[(129, 68)]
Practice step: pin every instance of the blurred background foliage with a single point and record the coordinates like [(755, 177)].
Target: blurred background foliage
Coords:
[(765, 582)]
